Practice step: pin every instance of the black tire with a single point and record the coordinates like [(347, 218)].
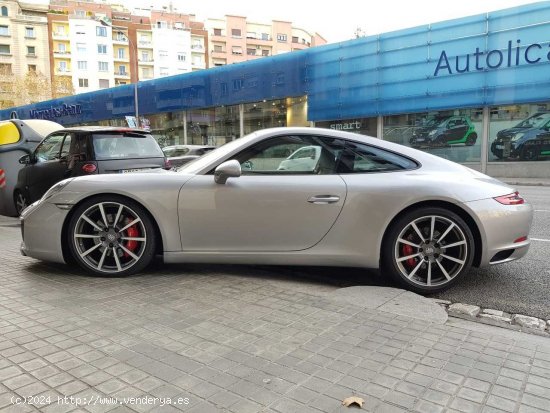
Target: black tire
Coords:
[(471, 139), (528, 153), (20, 201), (394, 252), (111, 259)]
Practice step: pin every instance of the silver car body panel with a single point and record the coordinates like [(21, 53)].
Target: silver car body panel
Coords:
[(201, 221)]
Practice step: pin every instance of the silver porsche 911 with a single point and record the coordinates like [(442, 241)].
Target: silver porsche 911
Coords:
[(292, 196)]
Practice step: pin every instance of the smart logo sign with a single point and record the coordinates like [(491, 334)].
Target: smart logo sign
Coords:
[(513, 55)]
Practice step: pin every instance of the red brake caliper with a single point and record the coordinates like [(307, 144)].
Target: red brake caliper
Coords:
[(131, 244), (408, 250)]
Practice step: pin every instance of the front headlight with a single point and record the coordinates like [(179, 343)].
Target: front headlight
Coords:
[(56, 188), (517, 137)]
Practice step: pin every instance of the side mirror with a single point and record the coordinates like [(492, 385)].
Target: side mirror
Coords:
[(25, 160), (228, 169)]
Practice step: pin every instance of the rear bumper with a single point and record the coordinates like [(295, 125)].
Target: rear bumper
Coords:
[(501, 226)]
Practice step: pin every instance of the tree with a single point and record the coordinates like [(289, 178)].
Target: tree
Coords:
[(62, 86), (22, 90)]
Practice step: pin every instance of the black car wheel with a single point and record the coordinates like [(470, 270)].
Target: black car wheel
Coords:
[(111, 235), (528, 153), (427, 250), (20, 201), (471, 139)]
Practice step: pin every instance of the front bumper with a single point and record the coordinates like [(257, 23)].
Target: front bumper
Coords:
[(41, 227), (501, 226)]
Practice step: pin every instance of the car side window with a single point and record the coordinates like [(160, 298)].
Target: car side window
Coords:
[(288, 155), (66, 148), (360, 158), (49, 149)]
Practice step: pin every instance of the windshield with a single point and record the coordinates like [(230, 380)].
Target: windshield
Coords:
[(536, 120), (125, 146)]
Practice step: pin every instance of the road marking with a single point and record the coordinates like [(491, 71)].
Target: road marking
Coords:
[(540, 239)]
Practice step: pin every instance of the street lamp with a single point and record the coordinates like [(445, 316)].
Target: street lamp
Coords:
[(105, 21)]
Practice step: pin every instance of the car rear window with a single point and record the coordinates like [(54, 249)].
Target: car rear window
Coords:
[(125, 146), (175, 151)]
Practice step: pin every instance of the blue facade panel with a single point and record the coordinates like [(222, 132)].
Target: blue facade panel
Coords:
[(497, 58)]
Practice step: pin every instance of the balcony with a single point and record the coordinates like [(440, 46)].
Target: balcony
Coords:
[(198, 65), (259, 42), (122, 75), (63, 71), (60, 36), (31, 19), (143, 44), (197, 48), (62, 54), (124, 59), (219, 54), (146, 62)]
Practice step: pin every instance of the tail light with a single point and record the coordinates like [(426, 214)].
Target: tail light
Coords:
[(89, 168), (510, 199), (167, 164)]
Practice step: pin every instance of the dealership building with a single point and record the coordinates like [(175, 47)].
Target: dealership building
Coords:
[(475, 90)]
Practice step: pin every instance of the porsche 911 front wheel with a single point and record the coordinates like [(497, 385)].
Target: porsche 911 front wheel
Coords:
[(111, 235), (428, 249)]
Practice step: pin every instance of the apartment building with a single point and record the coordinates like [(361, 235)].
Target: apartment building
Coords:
[(23, 44), (234, 39)]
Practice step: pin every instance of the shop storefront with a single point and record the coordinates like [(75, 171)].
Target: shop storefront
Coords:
[(473, 90)]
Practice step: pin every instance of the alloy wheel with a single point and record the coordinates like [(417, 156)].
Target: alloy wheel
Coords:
[(109, 237), (20, 202), (431, 251)]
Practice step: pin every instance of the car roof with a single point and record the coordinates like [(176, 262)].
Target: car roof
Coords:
[(110, 129)]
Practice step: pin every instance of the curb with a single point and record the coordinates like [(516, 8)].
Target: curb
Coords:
[(496, 318), (516, 183)]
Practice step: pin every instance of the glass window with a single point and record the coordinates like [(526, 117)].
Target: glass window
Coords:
[(251, 52), (103, 83), (265, 36), (4, 11), (83, 82), (237, 50), (29, 32), (66, 148), (49, 148), (213, 126), (101, 31), (265, 52), (181, 57), (235, 32), (291, 155), (5, 49), (62, 66), (102, 48), (32, 68), (360, 158), (31, 51), (452, 134), (118, 146), (164, 71), (80, 29), (103, 66), (145, 57), (61, 47), (217, 32), (519, 132), (274, 113), (4, 31), (162, 24), (364, 126), (122, 69), (121, 53), (218, 48), (82, 65), (281, 37), (81, 48)]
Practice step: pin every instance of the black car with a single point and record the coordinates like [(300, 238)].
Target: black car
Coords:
[(84, 151), (442, 131)]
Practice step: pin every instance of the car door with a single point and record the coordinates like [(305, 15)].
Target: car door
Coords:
[(265, 209), (458, 130), (48, 166)]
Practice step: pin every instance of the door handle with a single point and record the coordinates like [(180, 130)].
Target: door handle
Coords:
[(323, 199)]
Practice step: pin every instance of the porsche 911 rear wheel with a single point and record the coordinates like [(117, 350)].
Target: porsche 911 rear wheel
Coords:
[(427, 250), (111, 236)]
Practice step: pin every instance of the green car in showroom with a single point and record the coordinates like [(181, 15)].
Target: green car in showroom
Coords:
[(443, 131)]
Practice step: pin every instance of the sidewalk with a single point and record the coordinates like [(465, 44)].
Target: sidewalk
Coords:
[(525, 181), (241, 339)]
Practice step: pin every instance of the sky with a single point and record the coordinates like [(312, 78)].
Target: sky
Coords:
[(335, 20)]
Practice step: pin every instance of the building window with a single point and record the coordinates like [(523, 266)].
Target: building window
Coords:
[(179, 25), (103, 83), (295, 39), (121, 53), (62, 67), (265, 36), (61, 48), (29, 32), (4, 11), (31, 51), (82, 65), (4, 31), (102, 48), (5, 49), (265, 52), (32, 68), (146, 73), (81, 48), (164, 71), (217, 32), (60, 30), (281, 37), (82, 82), (218, 48), (162, 25), (145, 57), (236, 33), (122, 70), (103, 66), (237, 50), (121, 37), (163, 53), (101, 31), (251, 52), (5, 69), (80, 13), (181, 57)]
